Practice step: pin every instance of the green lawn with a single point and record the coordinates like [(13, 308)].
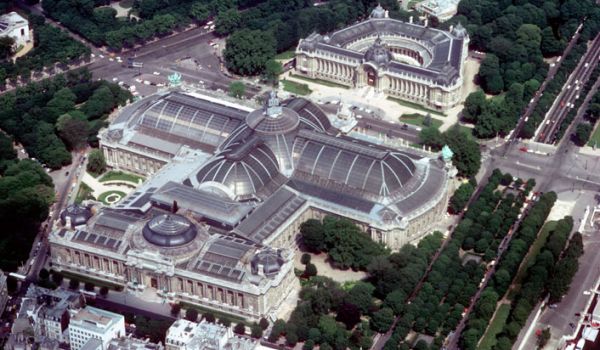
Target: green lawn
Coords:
[(489, 338), (121, 176), (296, 88), (286, 55), (467, 131), (319, 81), (126, 3), (415, 106), (417, 119), (84, 193), (97, 282), (529, 259), (104, 195), (595, 138), (202, 310)]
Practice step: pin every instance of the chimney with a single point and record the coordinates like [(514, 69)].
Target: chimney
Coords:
[(387, 14), (174, 208), (451, 28), (426, 21), (410, 19)]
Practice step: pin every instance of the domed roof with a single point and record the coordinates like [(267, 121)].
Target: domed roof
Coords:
[(378, 12), (76, 215), (270, 261), (169, 230), (243, 169), (378, 53), (286, 120)]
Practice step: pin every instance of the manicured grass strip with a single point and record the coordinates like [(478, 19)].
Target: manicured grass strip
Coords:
[(466, 130), (489, 338), (121, 176), (415, 106), (126, 3), (529, 259), (97, 282), (286, 55), (103, 196), (296, 88), (417, 119), (319, 81), (595, 139), (202, 310), (84, 193)]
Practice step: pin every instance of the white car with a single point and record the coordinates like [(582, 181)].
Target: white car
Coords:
[(121, 83), (111, 59), (115, 79), (118, 58), (156, 73), (92, 55), (146, 82), (138, 80), (101, 56)]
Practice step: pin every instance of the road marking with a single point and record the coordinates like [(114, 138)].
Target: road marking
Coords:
[(529, 166)]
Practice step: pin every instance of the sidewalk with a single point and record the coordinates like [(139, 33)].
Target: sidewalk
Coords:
[(101, 187)]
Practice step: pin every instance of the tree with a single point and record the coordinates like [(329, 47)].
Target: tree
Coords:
[(255, 331), (460, 198), (543, 338), (237, 89), (263, 323), (395, 301), (427, 120), (72, 130), (474, 104), (310, 270), (74, 284), (96, 163), (291, 338), (191, 314), (6, 47), (305, 259), (467, 156), (227, 21), (209, 317), (104, 291), (225, 321), (582, 134), (240, 328), (431, 137), (57, 278), (175, 309), (361, 295), (199, 12), (489, 73), (44, 274), (349, 314), (273, 70), (382, 320), (247, 51), (62, 102), (313, 235)]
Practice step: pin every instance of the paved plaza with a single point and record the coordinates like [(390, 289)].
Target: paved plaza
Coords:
[(376, 102)]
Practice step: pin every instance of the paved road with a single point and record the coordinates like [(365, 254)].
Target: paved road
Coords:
[(378, 127), (551, 73), (569, 94)]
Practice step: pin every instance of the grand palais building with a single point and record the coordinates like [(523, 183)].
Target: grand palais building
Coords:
[(228, 186), (402, 60)]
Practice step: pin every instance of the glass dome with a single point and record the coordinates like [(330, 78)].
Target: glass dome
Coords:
[(169, 230)]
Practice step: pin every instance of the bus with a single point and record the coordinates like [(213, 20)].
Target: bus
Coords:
[(17, 276), (88, 295)]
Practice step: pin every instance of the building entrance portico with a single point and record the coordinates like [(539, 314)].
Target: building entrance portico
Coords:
[(371, 76)]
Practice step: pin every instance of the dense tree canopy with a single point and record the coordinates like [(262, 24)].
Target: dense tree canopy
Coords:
[(247, 51)]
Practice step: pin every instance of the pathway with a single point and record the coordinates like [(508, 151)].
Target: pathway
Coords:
[(391, 110), (101, 187)]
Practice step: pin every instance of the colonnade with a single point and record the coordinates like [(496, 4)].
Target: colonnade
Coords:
[(334, 70), (406, 52), (408, 88)]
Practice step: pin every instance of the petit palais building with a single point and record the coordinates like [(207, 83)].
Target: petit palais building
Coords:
[(228, 186), (401, 60)]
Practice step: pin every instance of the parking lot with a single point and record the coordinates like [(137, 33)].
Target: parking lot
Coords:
[(193, 54)]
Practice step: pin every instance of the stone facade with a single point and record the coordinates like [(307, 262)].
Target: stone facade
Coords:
[(395, 63)]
